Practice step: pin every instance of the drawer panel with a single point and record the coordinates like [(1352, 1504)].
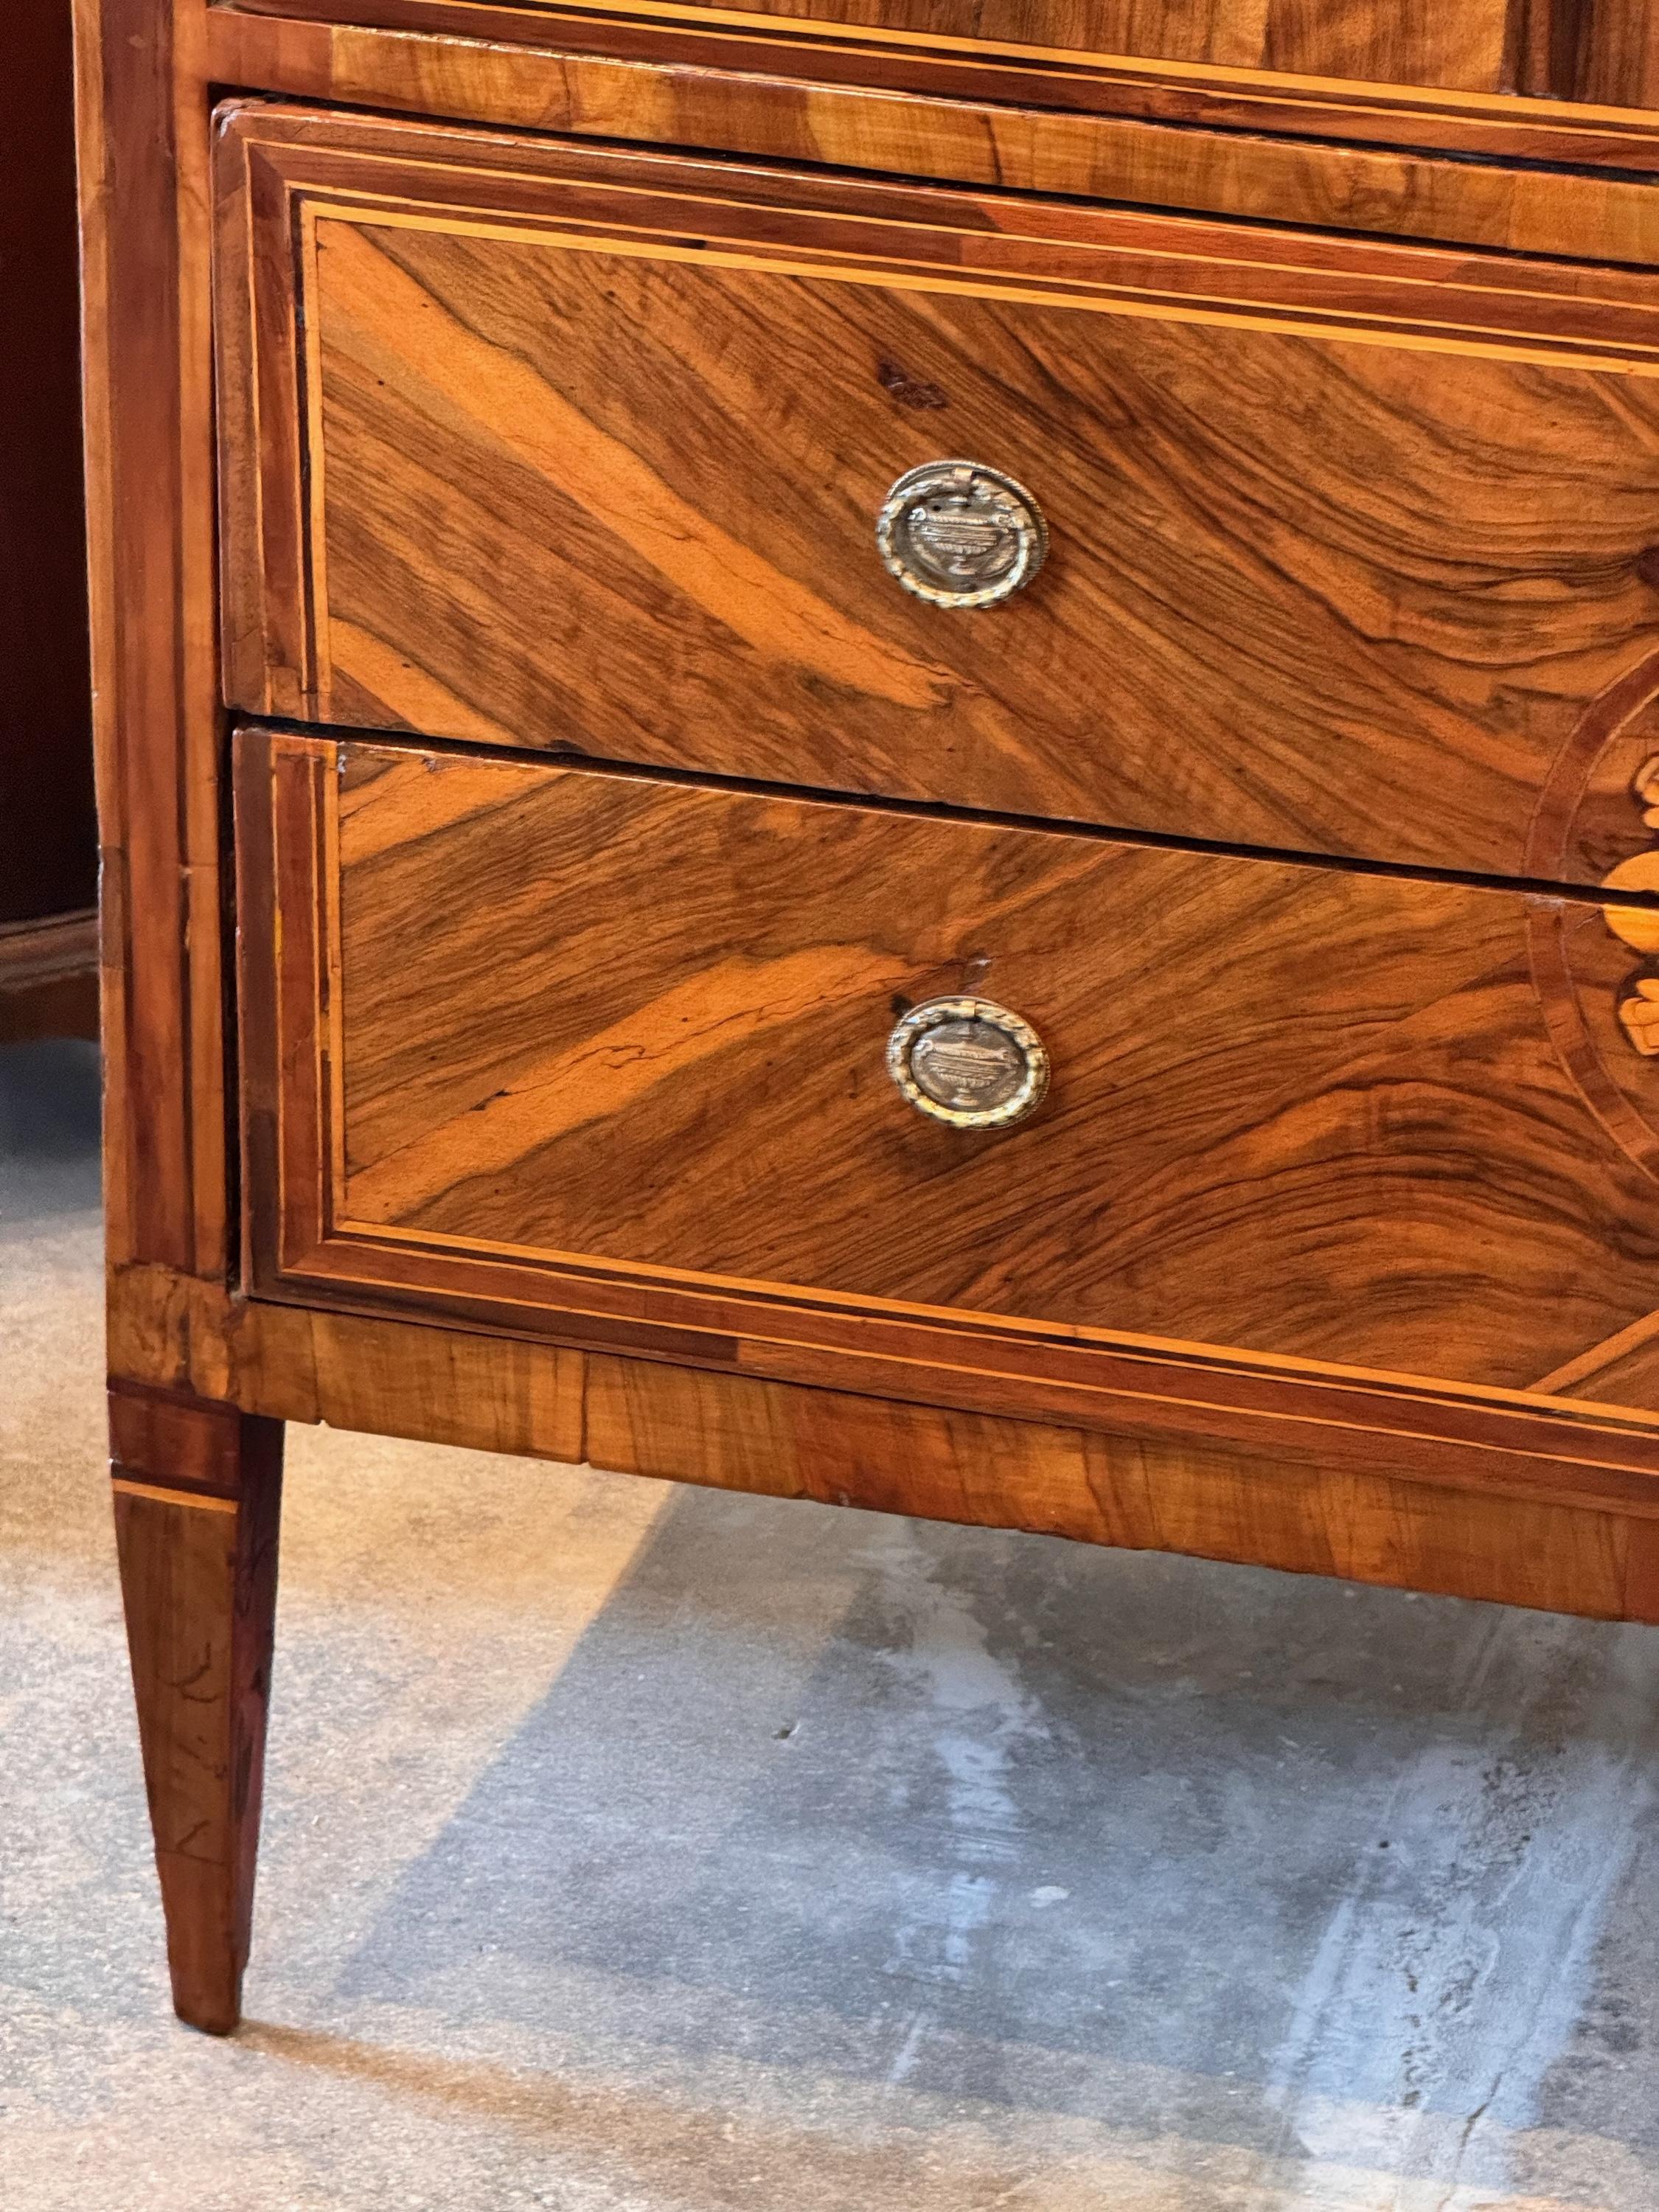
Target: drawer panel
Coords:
[(1350, 543), (562, 1029)]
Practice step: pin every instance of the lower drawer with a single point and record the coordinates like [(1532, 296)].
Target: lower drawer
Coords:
[(535, 1042)]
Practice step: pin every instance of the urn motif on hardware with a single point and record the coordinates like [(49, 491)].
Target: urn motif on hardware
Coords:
[(969, 1062), (959, 534)]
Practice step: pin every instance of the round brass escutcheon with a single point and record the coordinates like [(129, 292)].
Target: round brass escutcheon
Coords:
[(961, 535), (969, 1062)]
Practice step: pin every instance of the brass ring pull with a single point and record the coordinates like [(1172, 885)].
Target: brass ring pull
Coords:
[(958, 534), (967, 1062)]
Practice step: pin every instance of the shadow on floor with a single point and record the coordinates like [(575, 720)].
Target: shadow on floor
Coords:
[(1015, 1820)]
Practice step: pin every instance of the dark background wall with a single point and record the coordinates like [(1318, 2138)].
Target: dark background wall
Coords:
[(47, 843)]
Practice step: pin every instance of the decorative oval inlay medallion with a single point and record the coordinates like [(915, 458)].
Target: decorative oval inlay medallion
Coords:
[(1604, 1023), (961, 535), (969, 1062), (1638, 926)]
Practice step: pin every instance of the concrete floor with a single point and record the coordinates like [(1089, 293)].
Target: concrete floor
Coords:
[(635, 1850)]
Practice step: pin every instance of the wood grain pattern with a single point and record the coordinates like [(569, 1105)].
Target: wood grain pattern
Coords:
[(1472, 46), (1201, 1500), (1615, 59), (1383, 1522), (173, 1438), (141, 113), (1311, 1412), (1272, 1082), (1004, 141), (357, 1362), (1297, 581), (673, 80), (196, 1524)]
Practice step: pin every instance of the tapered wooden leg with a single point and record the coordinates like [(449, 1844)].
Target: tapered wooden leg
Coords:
[(197, 1500)]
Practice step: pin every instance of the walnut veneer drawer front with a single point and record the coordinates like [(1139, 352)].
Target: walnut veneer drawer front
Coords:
[(565, 1038), (1351, 546)]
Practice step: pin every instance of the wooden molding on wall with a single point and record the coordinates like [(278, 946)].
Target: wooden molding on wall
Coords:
[(49, 977), (48, 840)]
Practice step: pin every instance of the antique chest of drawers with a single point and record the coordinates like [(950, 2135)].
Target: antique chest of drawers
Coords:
[(877, 750)]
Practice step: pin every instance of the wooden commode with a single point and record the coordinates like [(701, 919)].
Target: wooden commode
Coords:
[(879, 749)]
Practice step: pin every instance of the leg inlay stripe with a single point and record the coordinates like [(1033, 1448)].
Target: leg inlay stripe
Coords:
[(129, 1488)]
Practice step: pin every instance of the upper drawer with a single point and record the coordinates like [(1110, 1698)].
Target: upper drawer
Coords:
[(1350, 543)]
